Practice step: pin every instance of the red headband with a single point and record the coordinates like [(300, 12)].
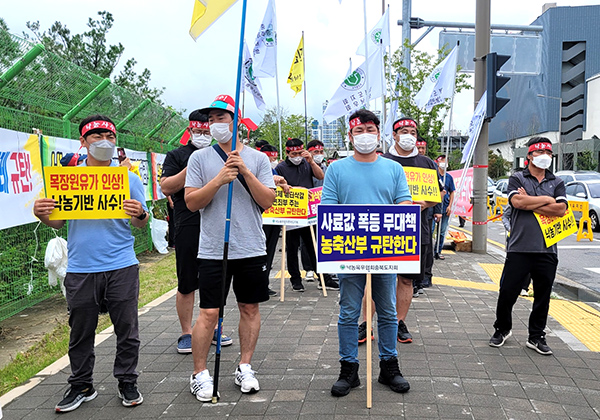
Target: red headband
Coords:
[(199, 124), (317, 147), (271, 154), (104, 125), (356, 122), (421, 143), (540, 146), (294, 148), (405, 123)]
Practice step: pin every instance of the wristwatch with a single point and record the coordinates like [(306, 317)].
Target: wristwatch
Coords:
[(142, 216)]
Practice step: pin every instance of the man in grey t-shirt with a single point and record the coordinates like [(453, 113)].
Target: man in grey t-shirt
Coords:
[(206, 189)]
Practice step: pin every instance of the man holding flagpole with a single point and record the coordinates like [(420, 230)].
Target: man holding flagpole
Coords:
[(208, 171)]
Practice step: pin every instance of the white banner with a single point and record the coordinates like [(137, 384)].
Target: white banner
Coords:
[(439, 85), (378, 36), (251, 83), (265, 45), (475, 127), (21, 179)]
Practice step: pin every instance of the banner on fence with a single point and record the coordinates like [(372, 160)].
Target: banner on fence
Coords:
[(157, 164), (21, 180), (289, 209), (87, 192), (462, 198), (368, 238)]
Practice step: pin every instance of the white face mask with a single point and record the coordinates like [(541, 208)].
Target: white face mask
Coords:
[(296, 160), (102, 150), (543, 161), (221, 132), (365, 143), (318, 159), (274, 164), (442, 165), (407, 142), (200, 141)]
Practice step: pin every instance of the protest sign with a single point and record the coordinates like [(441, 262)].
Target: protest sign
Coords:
[(356, 239), (87, 192)]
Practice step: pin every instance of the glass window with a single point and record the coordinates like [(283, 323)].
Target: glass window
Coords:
[(571, 189), (594, 190)]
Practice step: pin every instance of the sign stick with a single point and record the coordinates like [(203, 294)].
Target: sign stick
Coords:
[(282, 287), (369, 343), (312, 233)]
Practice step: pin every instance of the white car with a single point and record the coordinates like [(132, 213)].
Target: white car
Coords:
[(569, 176), (586, 191), (500, 191)]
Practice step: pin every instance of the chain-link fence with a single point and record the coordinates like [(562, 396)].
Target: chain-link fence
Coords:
[(39, 90)]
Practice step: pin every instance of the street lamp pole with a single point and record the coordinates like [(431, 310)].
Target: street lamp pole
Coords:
[(560, 151)]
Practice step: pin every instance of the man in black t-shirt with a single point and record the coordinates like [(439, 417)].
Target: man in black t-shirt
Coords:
[(406, 153), (187, 226), (298, 170)]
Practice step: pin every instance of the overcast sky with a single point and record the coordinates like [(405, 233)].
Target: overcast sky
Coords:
[(193, 73)]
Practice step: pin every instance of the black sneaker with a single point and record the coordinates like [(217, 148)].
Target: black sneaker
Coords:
[(539, 345), (298, 287), (362, 333), (74, 397), (272, 292), (330, 284), (499, 338), (403, 334), (415, 292), (129, 393)]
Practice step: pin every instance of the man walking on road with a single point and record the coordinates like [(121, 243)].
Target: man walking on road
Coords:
[(366, 178), (534, 190)]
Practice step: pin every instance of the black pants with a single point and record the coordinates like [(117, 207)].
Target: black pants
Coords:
[(518, 265), (272, 235), (292, 244), (119, 290)]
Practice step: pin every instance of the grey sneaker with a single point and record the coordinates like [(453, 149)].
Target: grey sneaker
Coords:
[(539, 345), (499, 338)]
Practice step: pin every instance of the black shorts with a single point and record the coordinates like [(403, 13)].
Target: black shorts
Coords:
[(186, 257), (250, 280)]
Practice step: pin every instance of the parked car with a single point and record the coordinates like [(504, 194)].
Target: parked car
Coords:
[(500, 191), (586, 191), (490, 187), (569, 176)]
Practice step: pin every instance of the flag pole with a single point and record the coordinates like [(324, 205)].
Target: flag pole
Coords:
[(278, 107), (215, 396), (304, 81), (366, 52)]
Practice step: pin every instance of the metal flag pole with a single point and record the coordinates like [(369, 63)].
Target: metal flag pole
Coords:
[(366, 54), (278, 107), (215, 396), (304, 81)]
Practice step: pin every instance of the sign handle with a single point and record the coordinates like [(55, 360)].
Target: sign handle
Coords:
[(312, 233), (282, 286), (369, 343)]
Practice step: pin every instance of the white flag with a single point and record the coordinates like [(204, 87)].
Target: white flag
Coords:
[(475, 126), (352, 93), (250, 82), (378, 36), (265, 45), (439, 85)]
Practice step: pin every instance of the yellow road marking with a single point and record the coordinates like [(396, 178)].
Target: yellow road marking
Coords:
[(464, 283), (287, 274), (493, 270)]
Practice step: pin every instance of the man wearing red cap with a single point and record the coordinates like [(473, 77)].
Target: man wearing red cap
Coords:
[(533, 190), (187, 227), (102, 272), (209, 172)]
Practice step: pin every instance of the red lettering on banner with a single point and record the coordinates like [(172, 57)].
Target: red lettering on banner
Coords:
[(21, 179)]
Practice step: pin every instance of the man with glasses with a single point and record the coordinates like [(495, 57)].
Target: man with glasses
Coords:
[(533, 190)]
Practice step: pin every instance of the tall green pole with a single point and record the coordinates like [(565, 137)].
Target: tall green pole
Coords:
[(159, 126), (177, 137), (133, 113), (75, 110)]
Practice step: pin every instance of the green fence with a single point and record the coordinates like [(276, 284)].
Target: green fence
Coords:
[(39, 90)]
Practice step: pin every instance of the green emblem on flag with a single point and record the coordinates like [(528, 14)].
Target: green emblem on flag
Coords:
[(355, 81)]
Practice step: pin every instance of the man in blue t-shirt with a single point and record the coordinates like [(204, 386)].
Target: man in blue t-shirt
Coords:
[(102, 272), (448, 182), (366, 178)]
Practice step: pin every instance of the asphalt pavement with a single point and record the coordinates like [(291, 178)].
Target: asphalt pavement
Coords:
[(453, 372)]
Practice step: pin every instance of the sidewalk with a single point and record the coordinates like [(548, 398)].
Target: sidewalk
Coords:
[(452, 371)]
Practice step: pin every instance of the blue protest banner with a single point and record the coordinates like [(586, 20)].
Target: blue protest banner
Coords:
[(368, 238)]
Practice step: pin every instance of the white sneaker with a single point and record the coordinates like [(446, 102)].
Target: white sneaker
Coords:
[(245, 379), (201, 385), (524, 292), (310, 276)]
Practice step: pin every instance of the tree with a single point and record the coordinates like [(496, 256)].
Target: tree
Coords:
[(291, 126), (586, 161), (90, 50), (422, 64), (497, 165)]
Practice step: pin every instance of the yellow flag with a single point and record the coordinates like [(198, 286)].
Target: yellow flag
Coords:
[(296, 77), (205, 13)]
